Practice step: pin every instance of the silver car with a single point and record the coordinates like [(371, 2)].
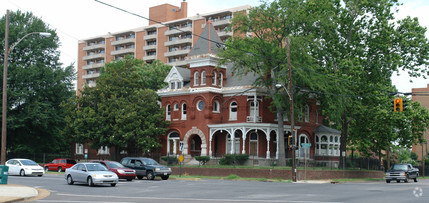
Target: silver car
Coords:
[(90, 173)]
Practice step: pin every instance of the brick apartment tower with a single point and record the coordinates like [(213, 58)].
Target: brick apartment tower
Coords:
[(421, 95)]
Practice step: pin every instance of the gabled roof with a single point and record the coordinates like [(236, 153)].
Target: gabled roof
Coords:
[(207, 43), (177, 73), (325, 129)]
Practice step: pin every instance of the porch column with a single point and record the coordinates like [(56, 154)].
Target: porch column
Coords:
[(268, 145), (277, 150), (210, 143), (175, 146), (244, 144), (233, 142), (203, 149)]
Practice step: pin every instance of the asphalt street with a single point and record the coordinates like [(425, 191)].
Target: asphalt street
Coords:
[(207, 190)]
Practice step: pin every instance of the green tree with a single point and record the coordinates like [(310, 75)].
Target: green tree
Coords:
[(37, 84), (121, 111), (343, 52)]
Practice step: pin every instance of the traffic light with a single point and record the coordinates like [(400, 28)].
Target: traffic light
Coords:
[(289, 141), (404, 105), (397, 104)]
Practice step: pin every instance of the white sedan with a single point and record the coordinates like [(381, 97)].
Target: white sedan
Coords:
[(90, 173), (24, 167)]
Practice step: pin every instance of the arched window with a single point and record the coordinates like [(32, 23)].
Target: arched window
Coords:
[(203, 78), (184, 111), (216, 107), (196, 78), (168, 112), (307, 113), (214, 78), (233, 111), (220, 79), (176, 107)]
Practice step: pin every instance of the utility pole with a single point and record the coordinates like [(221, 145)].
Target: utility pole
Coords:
[(4, 98), (292, 113)]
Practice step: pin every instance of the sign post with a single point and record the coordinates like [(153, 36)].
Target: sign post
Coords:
[(306, 147), (180, 157)]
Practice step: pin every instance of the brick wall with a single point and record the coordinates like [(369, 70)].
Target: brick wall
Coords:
[(277, 173)]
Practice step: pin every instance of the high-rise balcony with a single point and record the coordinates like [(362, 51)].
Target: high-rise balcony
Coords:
[(149, 58), (177, 63), (178, 30), (90, 76), (94, 65), (221, 22), (224, 34), (177, 53), (178, 41), (93, 56), (94, 46), (148, 37), (124, 41), (123, 51), (149, 47)]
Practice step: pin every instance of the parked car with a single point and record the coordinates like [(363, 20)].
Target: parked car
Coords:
[(59, 165), (146, 167), (121, 171), (403, 172), (24, 167), (90, 173)]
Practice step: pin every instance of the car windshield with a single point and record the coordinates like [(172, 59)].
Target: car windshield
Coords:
[(150, 162), (114, 164), (28, 163), (96, 167), (399, 167)]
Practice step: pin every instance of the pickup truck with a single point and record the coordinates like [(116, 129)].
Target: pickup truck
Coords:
[(403, 172)]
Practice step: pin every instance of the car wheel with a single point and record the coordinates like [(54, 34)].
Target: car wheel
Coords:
[(22, 172), (46, 169), (40, 175), (165, 177), (415, 180), (70, 180), (113, 184), (387, 181), (90, 182), (60, 169), (398, 181), (140, 177), (406, 179), (150, 175)]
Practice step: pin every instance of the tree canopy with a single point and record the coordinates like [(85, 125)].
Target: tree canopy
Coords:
[(122, 111), (37, 84), (343, 54)]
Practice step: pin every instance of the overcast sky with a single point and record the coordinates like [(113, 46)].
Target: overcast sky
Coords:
[(81, 19)]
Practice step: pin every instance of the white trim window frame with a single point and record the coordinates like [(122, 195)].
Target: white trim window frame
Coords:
[(203, 77), (196, 78), (79, 148), (233, 108), (184, 111), (168, 112)]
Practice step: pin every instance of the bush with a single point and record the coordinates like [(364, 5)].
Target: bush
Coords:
[(169, 159), (230, 159), (202, 159)]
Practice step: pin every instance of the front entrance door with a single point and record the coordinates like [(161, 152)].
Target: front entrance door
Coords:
[(196, 146)]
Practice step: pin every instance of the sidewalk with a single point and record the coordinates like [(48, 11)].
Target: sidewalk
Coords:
[(16, 193)]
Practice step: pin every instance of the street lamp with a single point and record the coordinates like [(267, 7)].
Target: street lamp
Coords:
[(4, 98)]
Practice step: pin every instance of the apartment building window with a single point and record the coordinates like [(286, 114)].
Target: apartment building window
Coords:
[(151, 53), (203, 78), (149, 43), (151, 32), (172, 49)]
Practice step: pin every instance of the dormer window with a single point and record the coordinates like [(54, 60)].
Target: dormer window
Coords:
[(175, 85)]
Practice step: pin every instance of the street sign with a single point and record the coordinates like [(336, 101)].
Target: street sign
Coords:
[(306, 145), (181, 146), (181, 158)]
